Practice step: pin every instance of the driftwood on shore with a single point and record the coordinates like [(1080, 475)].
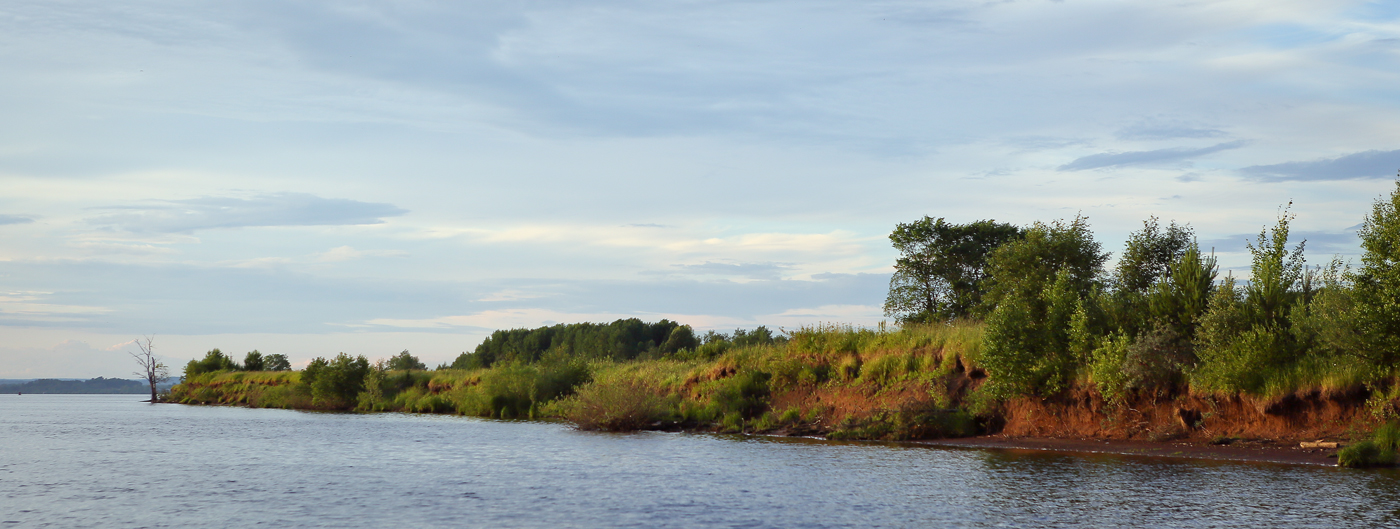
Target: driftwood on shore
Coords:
[(1319, 444)]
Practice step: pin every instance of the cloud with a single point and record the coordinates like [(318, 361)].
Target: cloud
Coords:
[(15, 219), (346, 253), (31, 307), (113, 248), (1367, 164), (118, 297), (746, 270), (1175, 154), (280, 209), (1167, 132)]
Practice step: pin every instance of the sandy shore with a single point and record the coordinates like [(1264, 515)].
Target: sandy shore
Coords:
[(1245, 450)]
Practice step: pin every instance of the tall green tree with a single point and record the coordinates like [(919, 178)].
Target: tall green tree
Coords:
[(254, 361), (1025, 267), (1038, 285), (1149, 253), (1276, 274), (406, 362), (941, 267), (1244, 335), (1147, 257), (1376, 283), (1182, 294)]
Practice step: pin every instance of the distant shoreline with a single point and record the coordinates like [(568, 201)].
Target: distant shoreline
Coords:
[(95, 386)]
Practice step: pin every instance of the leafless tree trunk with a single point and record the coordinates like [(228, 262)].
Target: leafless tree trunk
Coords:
[(152, 370)]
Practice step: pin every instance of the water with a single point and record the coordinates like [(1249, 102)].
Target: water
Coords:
[(110, 461)]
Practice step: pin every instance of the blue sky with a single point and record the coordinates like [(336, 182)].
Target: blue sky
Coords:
[(313, 177)]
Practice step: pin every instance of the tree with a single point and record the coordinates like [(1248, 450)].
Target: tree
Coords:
[(254, 361), (214, 360), (1147, 258), (1183, 293), (1028, 265), (152, 370), (939, 274), (1376, 283), (1149, 254), (1275, 274), (336, 383), (1037, 289), (276, 362), (681, 338), (406, 362), (1245, 337)]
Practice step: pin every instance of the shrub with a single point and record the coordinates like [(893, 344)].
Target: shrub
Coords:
[(622, 404), (214, 360), (517, 390), (406, 362), (336, 384), (1156, 359), (1365, 454), (1027, 347), (745, 393)]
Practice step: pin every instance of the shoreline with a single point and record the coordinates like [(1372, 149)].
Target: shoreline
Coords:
[(1252, 451), (1244, 451)]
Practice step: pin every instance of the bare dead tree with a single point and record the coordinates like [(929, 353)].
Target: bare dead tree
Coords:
[(152, 370)]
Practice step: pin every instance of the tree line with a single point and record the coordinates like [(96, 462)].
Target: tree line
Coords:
[(1162, 318), (216, 360), (621, 340)]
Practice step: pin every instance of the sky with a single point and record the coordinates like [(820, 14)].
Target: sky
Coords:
[(315, 177)]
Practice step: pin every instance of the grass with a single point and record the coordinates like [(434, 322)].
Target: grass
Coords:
[(841, 381), (717, 388)]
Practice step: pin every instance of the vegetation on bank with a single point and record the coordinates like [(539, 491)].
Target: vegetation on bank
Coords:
[(987, 313), (761, 383)]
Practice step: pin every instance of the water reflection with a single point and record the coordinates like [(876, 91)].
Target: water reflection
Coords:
[(79, 461)]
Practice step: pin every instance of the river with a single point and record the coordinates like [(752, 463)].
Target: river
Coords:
[(111, 461)]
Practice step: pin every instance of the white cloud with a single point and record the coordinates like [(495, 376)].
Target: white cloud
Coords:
[(279, 209), (346, 253)]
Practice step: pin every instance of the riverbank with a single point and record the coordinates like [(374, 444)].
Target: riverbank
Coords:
[(912, 384), (1255, 450)]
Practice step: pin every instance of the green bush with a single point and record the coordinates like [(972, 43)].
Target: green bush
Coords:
[(337, 383), (214, 360), (1365, 454), (622, 404), (745, 393), (516, 390), (406, 362)]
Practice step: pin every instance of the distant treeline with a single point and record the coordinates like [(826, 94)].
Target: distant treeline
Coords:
[(99, 385), (621, 340), (216, 360)]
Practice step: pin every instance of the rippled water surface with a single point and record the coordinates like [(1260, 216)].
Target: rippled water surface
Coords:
[(110, 461)]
